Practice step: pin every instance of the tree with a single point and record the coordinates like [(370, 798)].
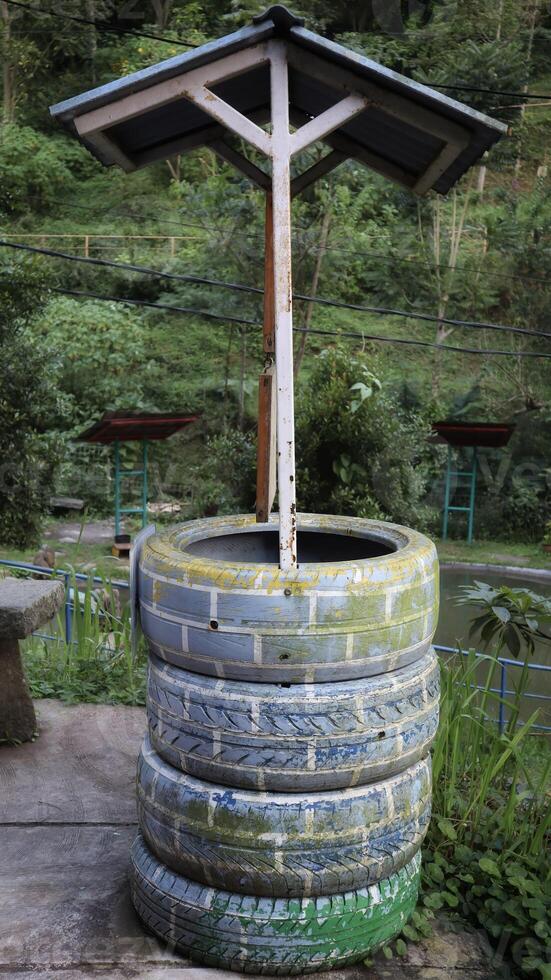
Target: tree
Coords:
[(29, 409), (359, 452)]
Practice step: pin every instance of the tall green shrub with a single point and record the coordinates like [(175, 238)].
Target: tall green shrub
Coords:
[(359, 451), (28, 404)]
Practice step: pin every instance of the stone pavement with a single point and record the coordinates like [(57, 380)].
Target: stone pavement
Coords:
[(67, 817), (93, 532)]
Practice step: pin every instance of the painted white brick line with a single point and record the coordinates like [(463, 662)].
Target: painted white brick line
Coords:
[(312, 607), (213, 610)]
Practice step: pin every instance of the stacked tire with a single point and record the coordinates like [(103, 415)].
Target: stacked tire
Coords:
[(284, 785)]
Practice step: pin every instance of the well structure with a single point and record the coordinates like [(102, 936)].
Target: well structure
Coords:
[(284, 783)]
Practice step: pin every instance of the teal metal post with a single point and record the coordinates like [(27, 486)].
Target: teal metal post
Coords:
[(117, 488), (448, 507), (144, 483), (472, 497), (119, 474), (447, 495)]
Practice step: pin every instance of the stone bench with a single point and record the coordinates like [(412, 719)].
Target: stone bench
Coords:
[(25, 606)]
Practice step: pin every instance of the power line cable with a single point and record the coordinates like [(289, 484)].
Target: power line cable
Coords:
[(256, 290), (488, 91), (376, 338), (213, 230), (99, 25), (112, 28)]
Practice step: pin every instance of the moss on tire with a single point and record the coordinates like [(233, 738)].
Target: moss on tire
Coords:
[(327, 620), (266, 936)]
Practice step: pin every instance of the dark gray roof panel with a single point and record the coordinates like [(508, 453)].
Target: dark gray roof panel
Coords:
[(105, 94), (401, 143)]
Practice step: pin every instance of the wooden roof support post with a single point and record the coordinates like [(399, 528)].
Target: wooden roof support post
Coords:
[(283, 306), (266, 440)]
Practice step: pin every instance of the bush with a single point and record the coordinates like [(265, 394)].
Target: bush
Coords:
[(225, 481), (359, 452), (28, 402), (34, 168)]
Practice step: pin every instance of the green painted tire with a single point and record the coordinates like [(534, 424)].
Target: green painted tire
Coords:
[(363, 600), (269, 936)]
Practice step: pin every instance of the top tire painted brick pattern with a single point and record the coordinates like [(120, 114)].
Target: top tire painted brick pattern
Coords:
[(323, 621)]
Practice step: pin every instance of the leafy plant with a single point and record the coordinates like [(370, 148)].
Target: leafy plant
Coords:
[(358, 451), (485, 854), (512, 617), (98, 665), (29, 407)]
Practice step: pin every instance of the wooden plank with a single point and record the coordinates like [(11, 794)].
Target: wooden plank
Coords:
[(229, 117), (204, 136), (439, 165), (240, 162), (130, 106), (402, 108), (320, 126), (283, 305), (354, 151), (319, 169), (108, 149), (269, 313), (266, 451)]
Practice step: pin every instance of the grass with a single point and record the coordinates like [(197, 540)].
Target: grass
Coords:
[(486, 855), (83, 556), (99, 665), (96, 559), (494, 553)]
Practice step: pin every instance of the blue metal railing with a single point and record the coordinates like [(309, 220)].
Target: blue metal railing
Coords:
[(504, 662), (503, 690), (66, 576)]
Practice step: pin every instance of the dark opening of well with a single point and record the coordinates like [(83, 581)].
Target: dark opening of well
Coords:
[(313, 546)]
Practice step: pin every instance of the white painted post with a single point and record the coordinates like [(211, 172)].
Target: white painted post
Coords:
[(283, 309)]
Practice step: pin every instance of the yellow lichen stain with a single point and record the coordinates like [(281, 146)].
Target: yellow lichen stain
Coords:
[(414, 557)]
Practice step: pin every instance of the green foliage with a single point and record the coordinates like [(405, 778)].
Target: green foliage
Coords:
[(99, 666), (29, 406), (511, 617), (224, 480), (36, 168), (384, 249), (485, 858), (358, 451)]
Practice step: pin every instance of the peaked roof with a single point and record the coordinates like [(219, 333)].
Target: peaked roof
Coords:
[(402, 133)]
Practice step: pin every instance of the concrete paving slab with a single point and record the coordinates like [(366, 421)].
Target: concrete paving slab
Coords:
[(93, 532), (81, 768), (67, 809), (25, 605)]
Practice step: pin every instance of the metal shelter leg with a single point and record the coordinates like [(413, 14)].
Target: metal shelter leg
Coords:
[(266, 436), (117, 488), (447, 495), (119, 474), (472, 497), (144, 483), (448, 507)]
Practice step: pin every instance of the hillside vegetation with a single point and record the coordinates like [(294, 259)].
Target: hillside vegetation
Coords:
[(364, 407)]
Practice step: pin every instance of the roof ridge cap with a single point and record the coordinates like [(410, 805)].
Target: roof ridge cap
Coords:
[(283, 19)]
